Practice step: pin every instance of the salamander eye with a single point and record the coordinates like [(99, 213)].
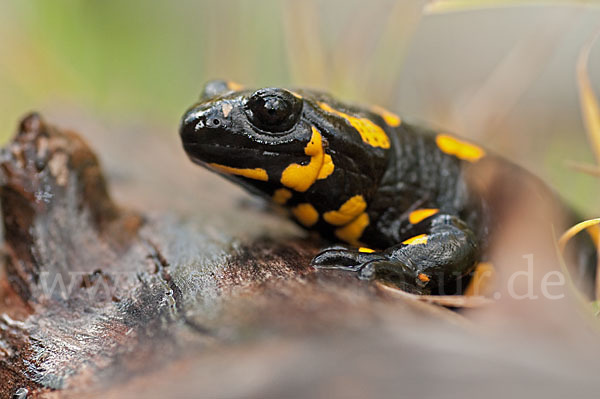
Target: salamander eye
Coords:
[(273, 110)]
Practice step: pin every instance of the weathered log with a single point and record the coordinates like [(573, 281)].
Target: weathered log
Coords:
[(100, 292), (99, 300)]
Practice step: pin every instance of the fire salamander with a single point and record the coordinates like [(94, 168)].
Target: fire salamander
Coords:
[(399, 195)]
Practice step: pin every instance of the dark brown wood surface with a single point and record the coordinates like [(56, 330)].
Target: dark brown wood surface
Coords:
[(182, 286)]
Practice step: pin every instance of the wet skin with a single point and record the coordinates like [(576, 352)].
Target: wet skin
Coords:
[(397, 195)]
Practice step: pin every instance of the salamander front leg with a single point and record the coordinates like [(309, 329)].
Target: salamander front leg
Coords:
[(342, 258), (429, 263)]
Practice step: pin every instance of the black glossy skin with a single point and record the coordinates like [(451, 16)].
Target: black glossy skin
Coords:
[(413, 173)]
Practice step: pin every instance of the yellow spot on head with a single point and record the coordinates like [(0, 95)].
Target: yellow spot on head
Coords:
[(347, 212), (416, 240), (301, 177), (390, 118), (298, 96), (365, 250), (306, 214), (327, 168), (423, 277), (256, 173), (421, 214), (233, 86), (351, 232), (458, 148), (281, 196), (370, 133)]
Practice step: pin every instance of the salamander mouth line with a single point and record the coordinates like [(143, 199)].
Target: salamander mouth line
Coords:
[(223, 152)]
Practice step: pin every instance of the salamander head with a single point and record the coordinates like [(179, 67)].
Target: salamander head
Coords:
[(284, 143)]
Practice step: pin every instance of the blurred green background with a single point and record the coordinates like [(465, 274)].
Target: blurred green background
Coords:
[(502, 76)]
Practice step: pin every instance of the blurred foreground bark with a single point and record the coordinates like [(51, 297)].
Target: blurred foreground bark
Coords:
[(100, 300)]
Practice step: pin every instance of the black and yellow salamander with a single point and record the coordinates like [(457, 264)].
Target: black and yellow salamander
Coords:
[(398, 194)]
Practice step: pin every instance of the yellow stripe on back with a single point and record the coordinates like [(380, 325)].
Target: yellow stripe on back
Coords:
[(390, 118), (370, 133), (458, 148), (419, 215)]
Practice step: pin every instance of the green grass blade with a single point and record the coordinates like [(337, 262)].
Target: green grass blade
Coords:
[(590, 108), (445, 6)]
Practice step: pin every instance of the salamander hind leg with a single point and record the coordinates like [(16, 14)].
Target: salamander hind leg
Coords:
[(431, 263)]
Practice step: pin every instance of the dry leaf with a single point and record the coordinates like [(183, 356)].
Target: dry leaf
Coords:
[(453, 301)]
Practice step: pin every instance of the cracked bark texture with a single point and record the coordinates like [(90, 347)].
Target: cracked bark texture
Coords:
[(184, 291)]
